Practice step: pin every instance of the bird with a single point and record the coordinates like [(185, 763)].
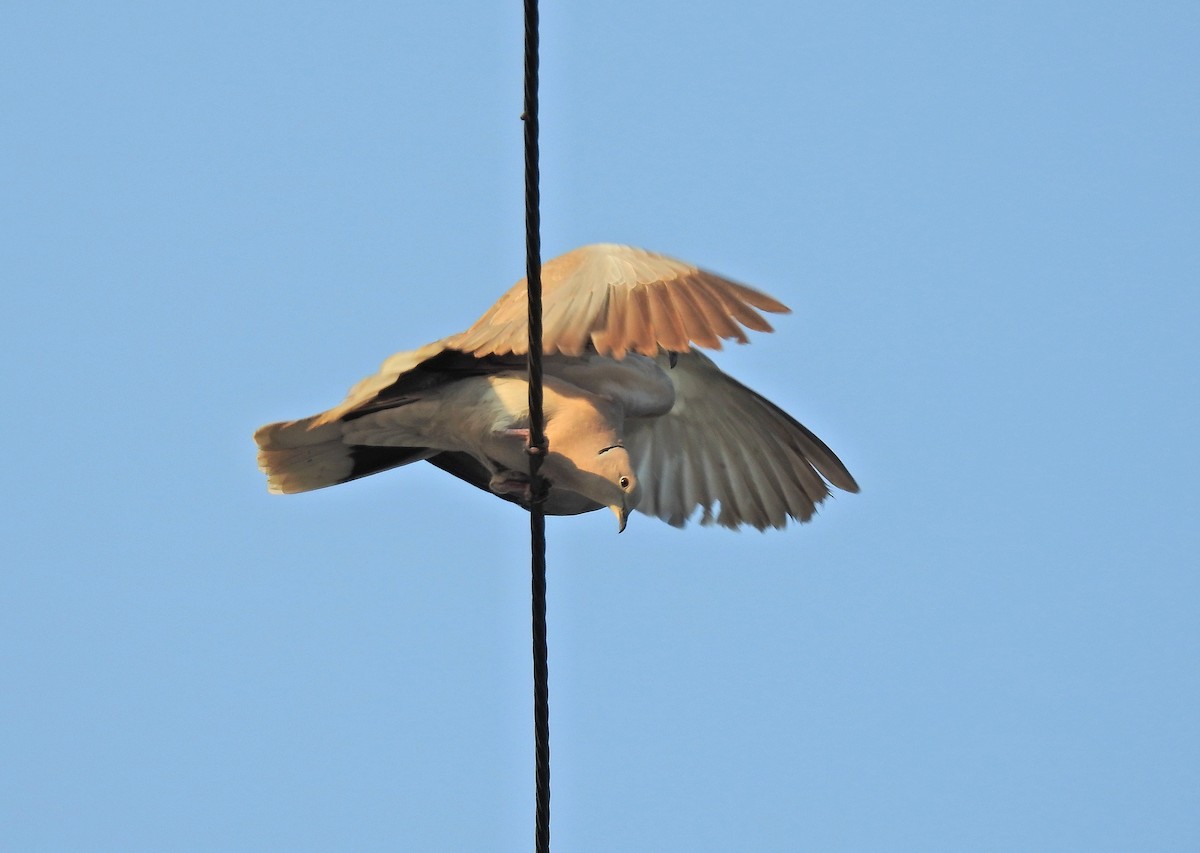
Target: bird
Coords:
[(636, 417)]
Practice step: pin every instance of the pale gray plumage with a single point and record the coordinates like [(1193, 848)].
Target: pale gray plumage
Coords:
[(636, 417)]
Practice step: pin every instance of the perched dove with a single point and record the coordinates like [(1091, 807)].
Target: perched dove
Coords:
[(636, 417)]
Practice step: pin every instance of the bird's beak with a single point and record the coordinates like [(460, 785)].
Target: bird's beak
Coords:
[(622, 515)]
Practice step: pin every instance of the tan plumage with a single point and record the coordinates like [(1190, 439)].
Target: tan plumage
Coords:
[(618, 299), (636, 416)]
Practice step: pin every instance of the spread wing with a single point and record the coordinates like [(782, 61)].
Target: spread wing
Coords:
[(410, 372), (619, 299), (724, 444), (615, 299)]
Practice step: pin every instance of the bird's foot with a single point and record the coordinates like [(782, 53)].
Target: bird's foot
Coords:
[(523, 432), (511, 483)]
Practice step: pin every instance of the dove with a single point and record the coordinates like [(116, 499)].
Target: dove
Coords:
[(636, 417)]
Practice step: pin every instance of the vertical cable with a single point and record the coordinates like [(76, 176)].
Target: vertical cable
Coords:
[(537, 436)]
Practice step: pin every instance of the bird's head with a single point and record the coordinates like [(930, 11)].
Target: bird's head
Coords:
[(587, 455), (620, 484), (600, 471)]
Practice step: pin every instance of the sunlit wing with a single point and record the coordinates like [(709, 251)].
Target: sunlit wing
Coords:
[(620, 299)]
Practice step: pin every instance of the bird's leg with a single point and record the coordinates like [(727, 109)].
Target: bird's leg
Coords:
[(523, 432), (508, 482)]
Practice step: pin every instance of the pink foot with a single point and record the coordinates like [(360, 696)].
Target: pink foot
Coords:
[(523, 433), (511, 483)]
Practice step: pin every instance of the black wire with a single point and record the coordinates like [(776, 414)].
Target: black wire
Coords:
[(537, 436)]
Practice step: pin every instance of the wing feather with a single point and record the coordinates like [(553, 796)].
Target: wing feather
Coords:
[(736, 456), (716, 313), (639, 327), (668, 325), (621, 299), (694, 322)]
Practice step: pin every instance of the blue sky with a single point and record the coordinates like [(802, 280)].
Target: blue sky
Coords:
[(985, 219)]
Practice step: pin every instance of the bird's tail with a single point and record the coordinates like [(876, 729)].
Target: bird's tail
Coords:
[(297, 456)]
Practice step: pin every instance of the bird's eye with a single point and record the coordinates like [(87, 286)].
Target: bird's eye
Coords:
[(624, 481)]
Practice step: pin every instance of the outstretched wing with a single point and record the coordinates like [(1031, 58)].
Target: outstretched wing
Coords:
[(620, 299), (723, 444)]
